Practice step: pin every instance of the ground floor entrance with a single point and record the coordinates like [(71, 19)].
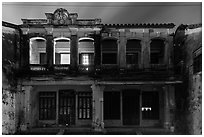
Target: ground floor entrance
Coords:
[(66, 107), (131, 107), (105, 106)]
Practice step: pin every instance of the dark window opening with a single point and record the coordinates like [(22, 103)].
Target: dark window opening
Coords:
[(47, 105), (109, 58), (86, 58), (132, 58), (197, 64), (154, 58), (43, 59), (133, 48), (111, 105), (85, 105), (109, 51), (150, 105), (157, 52)]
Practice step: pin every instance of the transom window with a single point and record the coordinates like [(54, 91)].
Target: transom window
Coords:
[(84, 105), (109, 51)]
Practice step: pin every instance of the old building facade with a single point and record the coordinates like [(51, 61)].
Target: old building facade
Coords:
[(82, 73)]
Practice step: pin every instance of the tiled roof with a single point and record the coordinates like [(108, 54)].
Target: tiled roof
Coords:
[(144, 25)]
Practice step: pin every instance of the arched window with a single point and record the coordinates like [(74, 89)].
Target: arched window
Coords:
[(133, 52), (109, 51), (157, 47), (38, 51), (62, 51), (86, 51)]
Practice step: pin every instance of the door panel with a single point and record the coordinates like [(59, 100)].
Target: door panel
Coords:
[(131, 107), (66, 107)]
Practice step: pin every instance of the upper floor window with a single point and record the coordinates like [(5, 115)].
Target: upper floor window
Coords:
[(38, 51), (86, 51), (133, 52), (62, 51), (109, 51), (197, 63), (157, 51)]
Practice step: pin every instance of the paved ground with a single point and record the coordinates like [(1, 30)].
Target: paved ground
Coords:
[(89, 131)]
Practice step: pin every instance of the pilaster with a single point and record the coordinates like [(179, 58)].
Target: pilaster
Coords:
[(98, 119)]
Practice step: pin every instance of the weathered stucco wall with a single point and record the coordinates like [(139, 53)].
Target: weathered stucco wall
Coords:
[(9, 44), (8, 108), (193, 81)]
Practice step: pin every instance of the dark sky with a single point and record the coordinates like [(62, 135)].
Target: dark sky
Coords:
[(114, 12)]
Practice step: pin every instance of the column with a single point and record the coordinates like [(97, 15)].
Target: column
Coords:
[(146, 53), (97, 49), (98, 121), (27, 107), (49, 50), (24, 51), (122, 50), (74, 53), (166, 123)]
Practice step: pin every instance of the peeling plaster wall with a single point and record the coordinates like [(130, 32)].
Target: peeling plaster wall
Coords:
[(194, 81), (9, 43), (8, 108)]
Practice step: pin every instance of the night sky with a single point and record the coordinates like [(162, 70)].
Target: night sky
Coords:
[(114, 12)]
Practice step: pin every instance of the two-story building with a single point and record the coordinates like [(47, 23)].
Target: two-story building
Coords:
[(80, 72)]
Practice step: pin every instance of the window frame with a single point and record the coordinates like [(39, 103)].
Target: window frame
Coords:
[(106, 52), (44, 98), (153, 51), (58, 40), (84, 109)]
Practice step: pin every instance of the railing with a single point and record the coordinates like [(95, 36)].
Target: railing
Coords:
[(38, 67), (61, 68), (101, 70), (158, 67), (85, 69)]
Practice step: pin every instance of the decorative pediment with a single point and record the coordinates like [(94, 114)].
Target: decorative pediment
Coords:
[(62, 17)]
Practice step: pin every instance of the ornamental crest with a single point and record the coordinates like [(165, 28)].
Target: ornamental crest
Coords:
[(61, 17)]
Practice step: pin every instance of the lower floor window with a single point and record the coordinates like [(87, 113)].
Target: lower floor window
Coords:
[(47, 105), (85, 105), (150, 105)]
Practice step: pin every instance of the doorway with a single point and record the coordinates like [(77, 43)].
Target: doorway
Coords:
[(67, 107), (131, 107)]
